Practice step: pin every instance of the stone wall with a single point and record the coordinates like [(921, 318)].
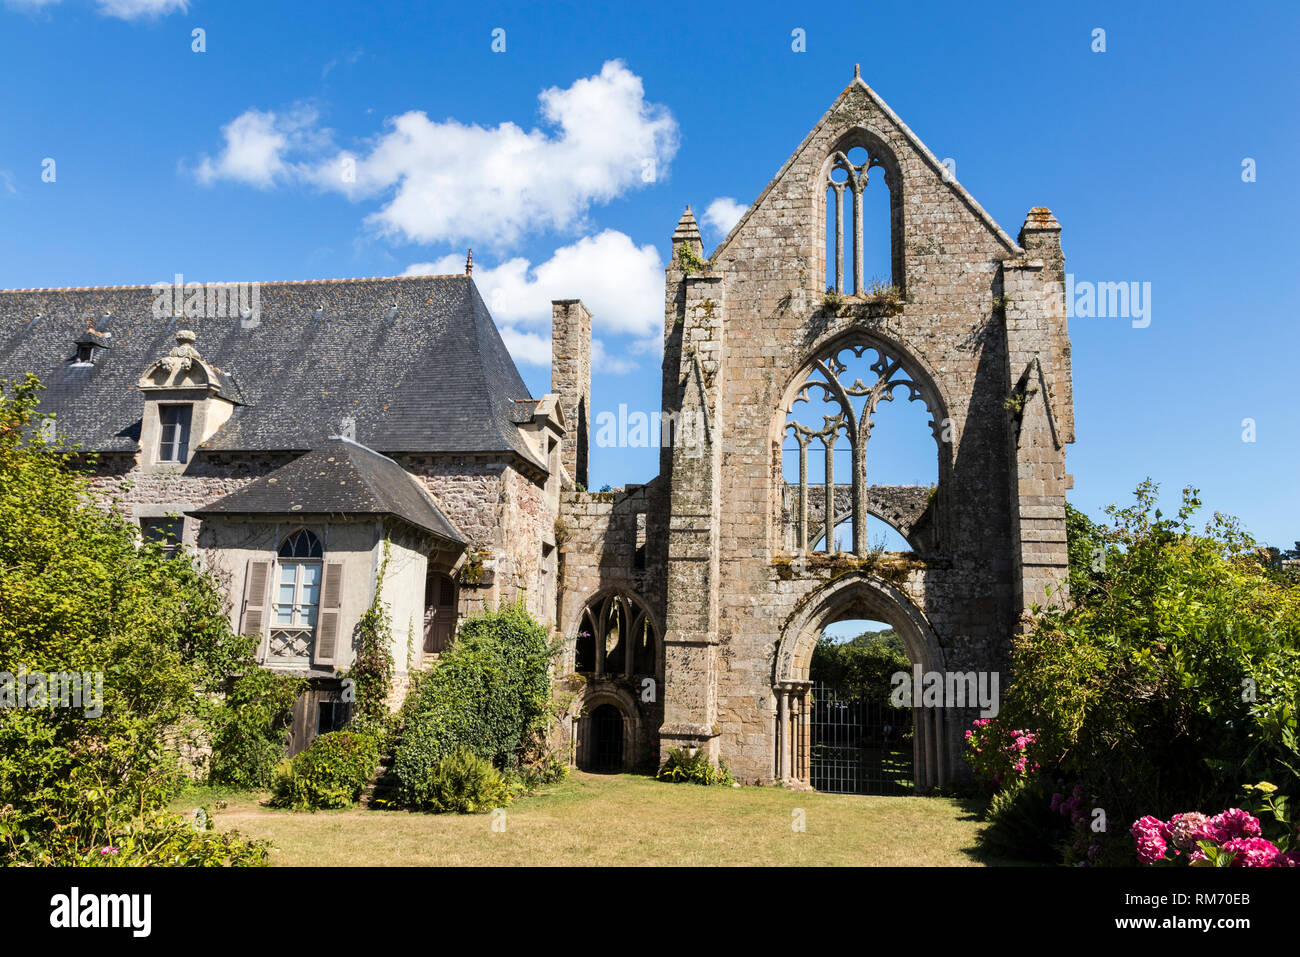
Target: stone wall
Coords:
[(736, 337), (602, 534)]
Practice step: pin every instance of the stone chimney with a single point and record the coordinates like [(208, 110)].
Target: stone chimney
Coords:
[(571, 380)]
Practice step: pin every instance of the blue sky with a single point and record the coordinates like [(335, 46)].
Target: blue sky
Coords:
[(228, 165)]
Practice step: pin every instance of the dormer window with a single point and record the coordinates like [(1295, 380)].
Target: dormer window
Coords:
[(85, 355), (174, 434)]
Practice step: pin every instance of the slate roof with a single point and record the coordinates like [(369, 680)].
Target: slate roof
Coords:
[(417, 363), (340, 478)]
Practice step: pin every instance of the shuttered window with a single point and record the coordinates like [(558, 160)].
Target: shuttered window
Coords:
[(174, 435)]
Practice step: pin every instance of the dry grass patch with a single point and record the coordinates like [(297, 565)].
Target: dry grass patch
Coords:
[(628, 820)]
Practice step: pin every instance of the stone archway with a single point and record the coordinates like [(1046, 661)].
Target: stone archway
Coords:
[(595, 724), (854, 595)]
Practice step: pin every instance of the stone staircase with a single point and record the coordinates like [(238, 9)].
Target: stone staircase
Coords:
[(381, 793)]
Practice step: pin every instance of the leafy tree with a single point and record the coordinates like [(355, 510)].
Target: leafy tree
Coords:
[(79, 594), (861, 666), (1175, 678)]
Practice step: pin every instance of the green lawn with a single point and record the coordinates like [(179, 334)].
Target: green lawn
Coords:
[(625, 819)]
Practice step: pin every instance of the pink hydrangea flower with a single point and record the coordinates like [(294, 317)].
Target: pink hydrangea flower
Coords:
[(1150, 834), (1252, 852), (1183, 828), (1229, 825)]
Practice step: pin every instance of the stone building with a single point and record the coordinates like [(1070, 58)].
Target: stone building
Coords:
[(351, 419), (728, 556)]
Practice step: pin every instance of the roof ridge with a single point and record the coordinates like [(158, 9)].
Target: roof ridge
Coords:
[(235, 282), (350, 445)]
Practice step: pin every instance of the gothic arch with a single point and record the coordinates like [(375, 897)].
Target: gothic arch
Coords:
[(898, 369), (855, 595), (636, 610), (849, 254), (622, 701)]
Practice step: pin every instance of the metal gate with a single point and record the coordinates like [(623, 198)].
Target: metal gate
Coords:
[(859, 745)]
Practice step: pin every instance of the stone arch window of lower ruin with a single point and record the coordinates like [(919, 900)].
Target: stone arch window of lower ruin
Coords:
[(863, 220), (859, 435), (616, 637)]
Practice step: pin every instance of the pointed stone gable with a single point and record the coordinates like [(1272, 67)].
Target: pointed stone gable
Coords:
[(929, 193)]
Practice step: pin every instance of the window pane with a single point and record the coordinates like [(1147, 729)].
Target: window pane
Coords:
[(288, 572), (284, 614), (311, 574), (307, 615)]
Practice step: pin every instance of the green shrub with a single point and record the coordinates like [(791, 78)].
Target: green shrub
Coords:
[(80, 594), (164, 839), (251, 729), (330, 772), (1173, 682), (681, 766), (490, 693), (460, 782), (1021, 825)]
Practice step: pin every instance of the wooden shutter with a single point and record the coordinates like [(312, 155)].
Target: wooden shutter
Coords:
[(255, 587), (327, 629)]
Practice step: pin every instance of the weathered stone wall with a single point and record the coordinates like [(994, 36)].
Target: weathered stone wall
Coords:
[(601, 533), (736, 338)]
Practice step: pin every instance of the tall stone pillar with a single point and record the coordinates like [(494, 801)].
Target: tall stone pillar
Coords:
[(692, 400), (1038, 374), (571, 380)]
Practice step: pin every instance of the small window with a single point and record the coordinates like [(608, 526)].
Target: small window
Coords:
[(166, 532), (174, 439), (301, 544), (331, 716), (85, 355)]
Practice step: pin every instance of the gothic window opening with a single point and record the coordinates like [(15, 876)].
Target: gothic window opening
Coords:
[(842, 472), (863, 222), (616, 637)]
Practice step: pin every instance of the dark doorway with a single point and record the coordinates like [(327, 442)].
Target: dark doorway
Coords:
[(439, 612), (606, 745)]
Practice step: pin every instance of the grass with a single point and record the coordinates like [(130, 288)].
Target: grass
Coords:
[(624, 820)]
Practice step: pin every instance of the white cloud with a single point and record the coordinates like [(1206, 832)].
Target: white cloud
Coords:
[(602, 361), (527, 347), (447, 181), (140, 9), (256, 143), (622, 284), (723, 214)]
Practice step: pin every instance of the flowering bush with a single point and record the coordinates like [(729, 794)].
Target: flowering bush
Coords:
[(1085, 847), (1000, 757), (1229, 839)]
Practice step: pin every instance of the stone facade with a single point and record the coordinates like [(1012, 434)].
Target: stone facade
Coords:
[(976, 322)]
